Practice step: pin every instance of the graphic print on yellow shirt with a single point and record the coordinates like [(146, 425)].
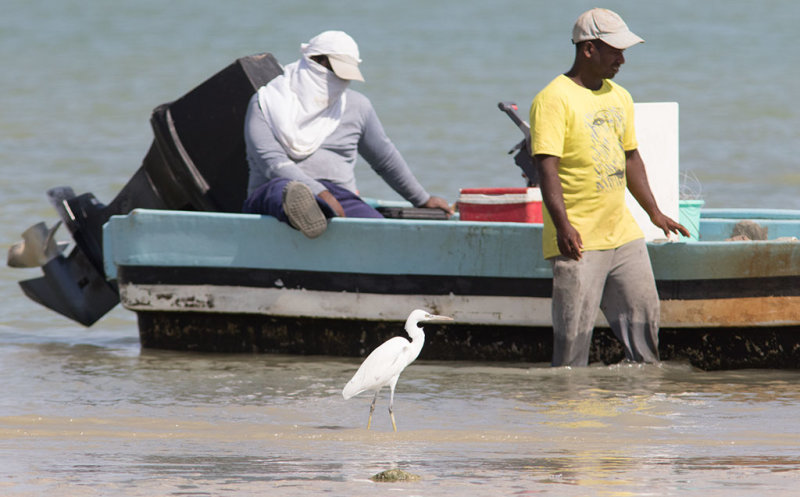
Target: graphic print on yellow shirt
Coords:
[(605, 127), (590, 132)]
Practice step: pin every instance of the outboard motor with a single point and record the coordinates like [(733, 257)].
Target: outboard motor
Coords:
[(523, 158), (196, 162)]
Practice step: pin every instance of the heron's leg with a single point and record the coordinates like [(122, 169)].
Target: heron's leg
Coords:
[(372, 409), (391, 404)]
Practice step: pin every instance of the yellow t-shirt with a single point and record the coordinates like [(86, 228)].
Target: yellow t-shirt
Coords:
[(590, 132)]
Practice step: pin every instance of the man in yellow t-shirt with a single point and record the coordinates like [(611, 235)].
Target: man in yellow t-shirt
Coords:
[(584, 146)]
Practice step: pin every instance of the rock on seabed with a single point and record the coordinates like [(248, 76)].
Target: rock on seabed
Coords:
[(394, 475)]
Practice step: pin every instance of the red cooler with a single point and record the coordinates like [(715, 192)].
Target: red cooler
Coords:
[(515, 205)]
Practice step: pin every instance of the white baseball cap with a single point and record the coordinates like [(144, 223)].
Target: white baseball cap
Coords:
[(342, 52), (604, 25)]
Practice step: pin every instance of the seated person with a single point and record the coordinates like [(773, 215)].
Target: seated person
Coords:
[(304, 130)]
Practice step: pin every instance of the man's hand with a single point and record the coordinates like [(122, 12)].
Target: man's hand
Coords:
[(668, 225), (331, 201), (439, 203), (570, 243)]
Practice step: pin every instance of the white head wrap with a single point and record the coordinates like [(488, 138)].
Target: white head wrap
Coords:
[(305, 104)]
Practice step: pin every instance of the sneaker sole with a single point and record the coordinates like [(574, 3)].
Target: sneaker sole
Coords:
[(302, 209)]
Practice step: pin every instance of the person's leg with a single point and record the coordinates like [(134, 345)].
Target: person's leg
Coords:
[(630, 302), (290, 202), (267, 199), (352, 204), (577, 291)]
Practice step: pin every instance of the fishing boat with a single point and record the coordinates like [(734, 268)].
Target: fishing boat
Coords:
[(173, 248)]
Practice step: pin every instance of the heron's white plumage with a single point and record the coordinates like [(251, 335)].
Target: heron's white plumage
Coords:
[(383, 366)]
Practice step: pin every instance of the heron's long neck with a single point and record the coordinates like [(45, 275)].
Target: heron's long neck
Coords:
[(417, 338)]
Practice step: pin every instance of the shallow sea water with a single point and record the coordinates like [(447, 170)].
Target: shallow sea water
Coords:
[(87, 412), (101, 420)]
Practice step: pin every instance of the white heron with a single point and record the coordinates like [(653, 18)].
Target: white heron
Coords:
[(384, 365)]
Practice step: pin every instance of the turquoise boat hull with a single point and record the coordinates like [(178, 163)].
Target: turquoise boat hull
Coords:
[(238, 282)]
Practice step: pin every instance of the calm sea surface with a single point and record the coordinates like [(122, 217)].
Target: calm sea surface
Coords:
[(86, 412)]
